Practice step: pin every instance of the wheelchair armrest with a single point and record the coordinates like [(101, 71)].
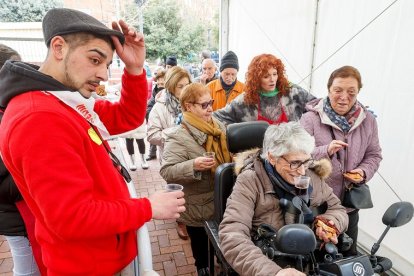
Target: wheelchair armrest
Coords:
[(212, 229)]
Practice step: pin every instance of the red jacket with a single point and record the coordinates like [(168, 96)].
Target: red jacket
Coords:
[(85, 218)]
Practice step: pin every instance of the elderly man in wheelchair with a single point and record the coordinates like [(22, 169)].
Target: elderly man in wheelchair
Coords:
[(276, 186)]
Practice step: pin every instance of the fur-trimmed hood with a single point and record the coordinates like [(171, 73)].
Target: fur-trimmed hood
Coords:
[(245, 160)]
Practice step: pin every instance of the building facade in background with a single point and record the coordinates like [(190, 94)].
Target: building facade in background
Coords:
[(27, 38)]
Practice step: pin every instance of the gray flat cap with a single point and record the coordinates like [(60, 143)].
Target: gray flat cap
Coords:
[(66, 21)]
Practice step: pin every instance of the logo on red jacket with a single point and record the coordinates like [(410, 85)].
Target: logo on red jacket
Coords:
[(84, 111)]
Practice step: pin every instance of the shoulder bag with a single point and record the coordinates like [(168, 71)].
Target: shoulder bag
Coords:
[(356, 195)]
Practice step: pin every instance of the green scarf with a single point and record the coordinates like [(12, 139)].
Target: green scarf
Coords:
[(269, 94)]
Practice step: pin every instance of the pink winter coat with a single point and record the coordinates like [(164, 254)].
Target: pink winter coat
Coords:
[(363, 152)]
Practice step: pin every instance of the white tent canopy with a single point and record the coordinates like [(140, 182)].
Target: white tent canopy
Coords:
[(374, 36)]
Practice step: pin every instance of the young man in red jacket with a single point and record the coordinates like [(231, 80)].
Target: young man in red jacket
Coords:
[(53, 142)]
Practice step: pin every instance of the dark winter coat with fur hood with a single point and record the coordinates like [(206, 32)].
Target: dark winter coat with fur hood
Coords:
[(254, 201)]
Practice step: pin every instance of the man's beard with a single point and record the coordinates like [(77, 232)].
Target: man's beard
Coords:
[(69, 82)]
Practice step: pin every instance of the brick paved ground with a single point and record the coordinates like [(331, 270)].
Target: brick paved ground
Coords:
[(171, 255), (6, 263)]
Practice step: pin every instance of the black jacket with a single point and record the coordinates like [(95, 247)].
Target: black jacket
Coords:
[(11, 222)]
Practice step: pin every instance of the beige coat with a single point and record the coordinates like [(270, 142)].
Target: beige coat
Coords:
[(253, 202), (180, 150), (159, 120)]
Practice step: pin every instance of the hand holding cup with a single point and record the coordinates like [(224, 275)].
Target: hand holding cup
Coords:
[(205, 162), (167, 204)]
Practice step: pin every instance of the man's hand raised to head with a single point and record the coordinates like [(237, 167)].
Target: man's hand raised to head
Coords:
[(132, 53)]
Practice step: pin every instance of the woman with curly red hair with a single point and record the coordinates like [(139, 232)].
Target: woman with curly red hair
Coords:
[(268, 95)]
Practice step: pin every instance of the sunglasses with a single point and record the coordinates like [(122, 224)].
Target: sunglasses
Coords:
[(120, 168), (205, 104)]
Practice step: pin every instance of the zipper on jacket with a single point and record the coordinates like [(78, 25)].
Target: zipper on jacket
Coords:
[(342, 166), (346, 154)]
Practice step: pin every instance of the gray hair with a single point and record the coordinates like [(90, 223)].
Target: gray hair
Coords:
[(287, 137)]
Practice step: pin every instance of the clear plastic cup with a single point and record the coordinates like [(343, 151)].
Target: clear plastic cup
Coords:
[(301, 182), (209, 154), (173, 187)]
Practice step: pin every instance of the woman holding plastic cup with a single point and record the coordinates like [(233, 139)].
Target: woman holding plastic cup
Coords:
[(192, 151), (284, 169)]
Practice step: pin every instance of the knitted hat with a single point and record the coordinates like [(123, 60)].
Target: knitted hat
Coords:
[(66, 21), (171, 60), (229, 60)]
